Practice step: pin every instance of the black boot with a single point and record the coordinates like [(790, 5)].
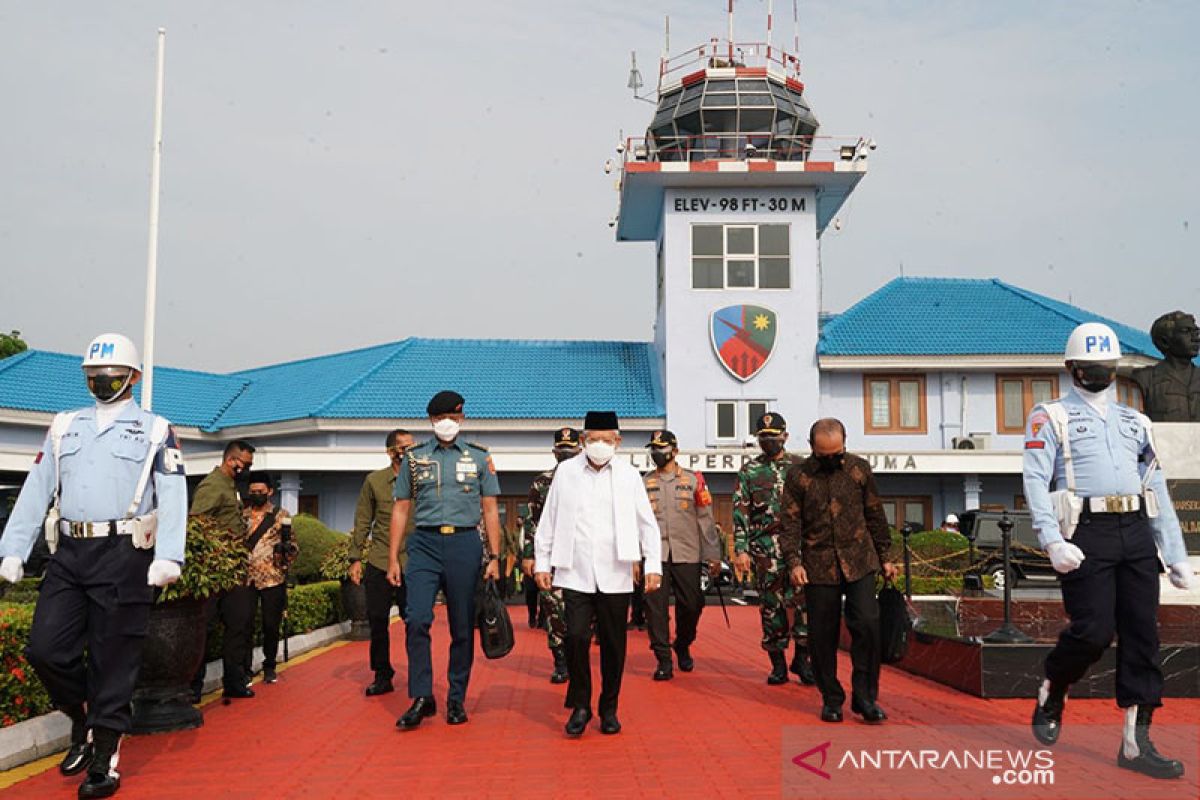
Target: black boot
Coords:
[(801, 667), (79, 754), (779, 668), (1047, 714), (102, 779), (1148, 760), (560, 666)]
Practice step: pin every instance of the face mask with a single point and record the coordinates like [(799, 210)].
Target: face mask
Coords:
[(661, 457), (446, 429), (108, 386), (830, 463), (771, 447), (600, 452), (561, 454), (257, 499), (1094, 377)]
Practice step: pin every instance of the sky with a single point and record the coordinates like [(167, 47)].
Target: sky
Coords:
[(339, 175)]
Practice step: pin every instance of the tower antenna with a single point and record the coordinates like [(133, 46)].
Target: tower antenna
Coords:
[(731, 32)]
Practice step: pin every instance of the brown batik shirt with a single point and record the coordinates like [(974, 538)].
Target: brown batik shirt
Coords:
[(833, 522), (266, 565)]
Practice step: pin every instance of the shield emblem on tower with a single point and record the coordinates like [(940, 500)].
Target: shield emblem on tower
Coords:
[(743, 337)]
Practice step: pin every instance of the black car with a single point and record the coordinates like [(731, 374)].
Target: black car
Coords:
[(1027, 561)]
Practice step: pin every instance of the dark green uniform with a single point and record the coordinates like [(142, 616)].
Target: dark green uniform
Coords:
[(217, 497), (373, 518), (551, 602)]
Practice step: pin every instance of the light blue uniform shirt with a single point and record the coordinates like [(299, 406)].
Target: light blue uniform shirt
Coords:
[(445, 483), (1110, 455), (99, 472)]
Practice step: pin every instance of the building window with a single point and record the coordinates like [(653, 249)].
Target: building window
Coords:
[(741, 257), (894, 403), (726, 421), (754, 410), (734, 420), (1016, 395), (917, 510), (1129, 394)]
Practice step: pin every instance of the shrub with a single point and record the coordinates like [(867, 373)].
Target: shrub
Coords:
[(21, 693), (336, 564), (215, 560), (26, 591), (315, 540)]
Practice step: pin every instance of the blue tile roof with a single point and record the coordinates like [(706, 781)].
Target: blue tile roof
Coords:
[(957, 316)]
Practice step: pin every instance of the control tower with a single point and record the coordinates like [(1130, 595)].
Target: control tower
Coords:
[(735, 186)]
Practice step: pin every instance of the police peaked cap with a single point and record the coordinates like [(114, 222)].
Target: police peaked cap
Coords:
[(663, 439), (566, 437), (769, 424), (445, 402), (601, 421)]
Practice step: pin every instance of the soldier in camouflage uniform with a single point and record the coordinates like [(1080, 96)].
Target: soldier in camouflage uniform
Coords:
[(566, 445), (756, 517)]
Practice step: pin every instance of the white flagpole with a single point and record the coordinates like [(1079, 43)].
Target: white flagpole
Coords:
[(152, 249)]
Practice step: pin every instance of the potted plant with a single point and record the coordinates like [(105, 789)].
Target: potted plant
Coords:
[(336, 567), (215, 561)]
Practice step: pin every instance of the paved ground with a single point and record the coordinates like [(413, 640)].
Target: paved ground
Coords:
[(720, 731)]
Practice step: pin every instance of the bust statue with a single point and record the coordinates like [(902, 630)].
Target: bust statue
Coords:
[(1171, 388)]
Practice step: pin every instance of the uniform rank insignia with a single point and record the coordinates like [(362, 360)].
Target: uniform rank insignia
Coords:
[(1037, 422), (1035, 444)]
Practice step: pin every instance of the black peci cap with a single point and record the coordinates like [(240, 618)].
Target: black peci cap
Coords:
[(601, 421), (770, 424), (445, 402)]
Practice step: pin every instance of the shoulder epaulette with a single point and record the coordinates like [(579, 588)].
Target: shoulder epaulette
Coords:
[(477, 446)]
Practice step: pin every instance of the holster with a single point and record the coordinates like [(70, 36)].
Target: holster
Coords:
[(1149, 503), (145, 530), (50, 526), (1067, 508)]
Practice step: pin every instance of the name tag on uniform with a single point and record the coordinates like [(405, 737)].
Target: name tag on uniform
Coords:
[(465, 470)]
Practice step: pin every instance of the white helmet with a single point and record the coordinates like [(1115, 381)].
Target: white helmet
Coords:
[(112, 350), (951, 519), (1092, 341)]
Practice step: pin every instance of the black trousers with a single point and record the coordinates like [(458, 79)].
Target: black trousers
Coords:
[(682, 580), (272, 600), (638, 617), (610, 611), (94, 596), (824, 626), (1114, 591), (529, 586), (236, 610), (381, 596)]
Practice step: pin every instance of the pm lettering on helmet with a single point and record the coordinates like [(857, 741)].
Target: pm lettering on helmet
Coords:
[(102, 350), (1098, 344)]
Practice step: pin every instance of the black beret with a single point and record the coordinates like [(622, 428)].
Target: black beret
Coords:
[(566, 437), (770, 423), (663, 439), (600, 421), (445, 402)]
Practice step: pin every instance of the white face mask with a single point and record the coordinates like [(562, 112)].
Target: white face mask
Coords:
[(600, 452), (446, 429)]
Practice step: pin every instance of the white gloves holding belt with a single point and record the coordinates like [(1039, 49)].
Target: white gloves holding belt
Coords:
[(1181, 575), (162, 572), (1064, 556), (11, 569)]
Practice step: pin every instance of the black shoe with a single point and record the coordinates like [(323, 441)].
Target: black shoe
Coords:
[(801, 667), (533, 621), (665, 671), (778, 669), (831, 713), (270, 675), (99, 784), (1149, 761), (237, 692), (871, 713), (578, 721), (197, 695), (380, 686), (102, 780), (78, 757), (1047, 716), (421, 708), (684, 657), (455, 713), (560, 674), (609, 724)]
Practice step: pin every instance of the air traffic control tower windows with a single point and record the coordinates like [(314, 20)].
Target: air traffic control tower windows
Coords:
[(740, 257)]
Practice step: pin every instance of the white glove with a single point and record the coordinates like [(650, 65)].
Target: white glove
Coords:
[(1180, 576), (1064, 556), (11, 569), (162, 572)]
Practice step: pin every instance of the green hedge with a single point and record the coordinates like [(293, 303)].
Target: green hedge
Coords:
[(315, 540), (21, 693)]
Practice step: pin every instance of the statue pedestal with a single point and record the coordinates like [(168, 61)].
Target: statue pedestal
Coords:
[(1178, 446)]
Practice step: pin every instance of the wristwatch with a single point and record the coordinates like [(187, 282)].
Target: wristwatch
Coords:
[(493, 557)]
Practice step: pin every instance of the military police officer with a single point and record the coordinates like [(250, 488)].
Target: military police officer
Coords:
[(114, 537), (566, 445), (1100, 528), (447, 485), (683, 507), (756, 517)]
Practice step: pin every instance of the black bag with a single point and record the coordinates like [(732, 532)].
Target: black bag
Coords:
[(491, 616), (895, 624)]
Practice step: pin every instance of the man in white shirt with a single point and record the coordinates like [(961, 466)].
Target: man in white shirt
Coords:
[(596, 528)]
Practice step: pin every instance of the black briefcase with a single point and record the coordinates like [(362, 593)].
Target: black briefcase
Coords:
[(491, 617), (895, 624)]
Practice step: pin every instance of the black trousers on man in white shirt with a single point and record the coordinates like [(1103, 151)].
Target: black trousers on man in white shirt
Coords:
[(610, 611)]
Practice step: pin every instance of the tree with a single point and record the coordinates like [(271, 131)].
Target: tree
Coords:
[(11, 344)]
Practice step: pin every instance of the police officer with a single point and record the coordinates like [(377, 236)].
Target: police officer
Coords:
[(756, 516), (1100, 457), (446, 484), (566, 445), (114, 475), (683, 507)]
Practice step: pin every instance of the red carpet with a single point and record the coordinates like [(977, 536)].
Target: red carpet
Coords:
[(718, 731)]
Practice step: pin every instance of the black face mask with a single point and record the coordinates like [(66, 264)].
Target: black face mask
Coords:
[(1095, 377), (106, 388), (257, 499), (830, 463), (561, 454), (771, 447), (661, 458)]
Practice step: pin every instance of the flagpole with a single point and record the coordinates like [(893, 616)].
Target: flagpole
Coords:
[(152, 248)]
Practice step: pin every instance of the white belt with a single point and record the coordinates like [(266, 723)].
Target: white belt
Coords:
[(1114, 504), (95, 530)]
